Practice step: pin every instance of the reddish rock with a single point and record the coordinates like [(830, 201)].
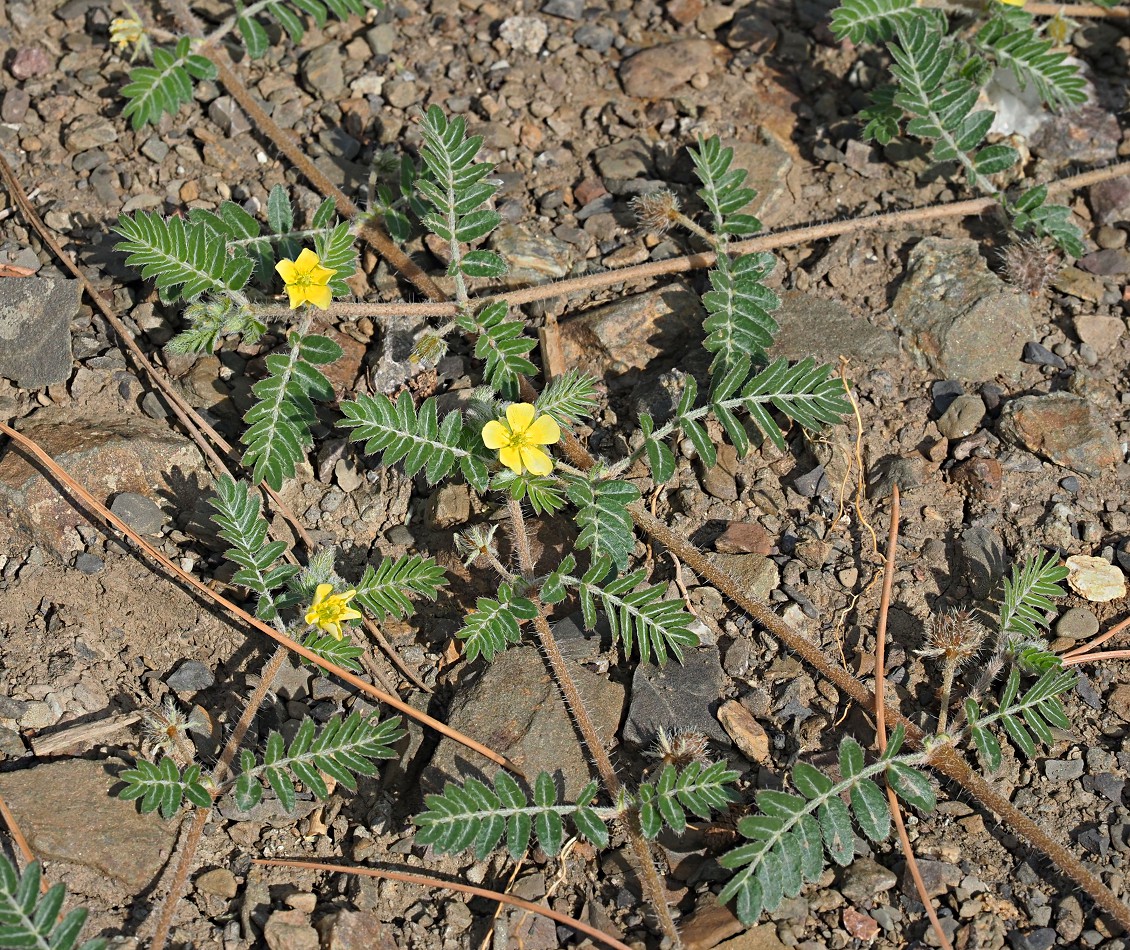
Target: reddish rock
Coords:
[(663, 72), (1065, 429), (860, 925), (978, 477), (684, 11), (743, 537), (355, 930), (30, 61)]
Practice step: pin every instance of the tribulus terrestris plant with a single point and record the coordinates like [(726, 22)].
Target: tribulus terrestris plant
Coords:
[(522, 447)]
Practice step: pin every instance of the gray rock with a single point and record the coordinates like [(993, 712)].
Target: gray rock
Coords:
[(191, 677), (938, 876), (155, 149), (228, 116), (531, 258), (566, 9), (516, 707), (526, 34), (12, 708), (962, 417), (1063, 770), (15, 105), (631, 332), (382, 38), (1077, 623), (138, 511), (756, 574), (662, 72), (1110, 200), (767, 166), (89, 131), (982, 560), (348, 476), (623, 160), (1039, 355), (322, 72), (401, 93), (595, 37), (68, 814), (35, 329), (109, 454), (826, 329), (676, 696), (864, 878), (1065, 429), (89, 563), (1041, 938), (449, 505), (958, 317), (1086, 136)]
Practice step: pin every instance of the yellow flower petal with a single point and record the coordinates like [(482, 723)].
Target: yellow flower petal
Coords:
[(320, 297), (333, 628), (543, 431), (537, 461), (307, 261), (511, 458), (321, 275), (495, 435), (519, 415), (287, 271), (321, 592), (297, 295), (350, 614)]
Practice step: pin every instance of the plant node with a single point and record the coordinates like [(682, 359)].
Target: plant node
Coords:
[(1030, 265)]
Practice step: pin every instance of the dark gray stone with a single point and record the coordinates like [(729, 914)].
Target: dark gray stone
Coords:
[(138, 511), (89, 563), (594, 37), (1042, 938), (35, 329), (191, 677), (676, 696), (864, 878), (1063, 770), (566, 9), (322, 73), (1039, 355), (825, 330), (959, 318)]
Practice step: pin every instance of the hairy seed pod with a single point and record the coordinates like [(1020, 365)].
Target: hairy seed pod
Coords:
[(656, 210), (954, 635), (1030, 265)]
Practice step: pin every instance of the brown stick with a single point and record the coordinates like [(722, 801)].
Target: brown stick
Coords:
[(110, 518), (432, 882), (881, 720)]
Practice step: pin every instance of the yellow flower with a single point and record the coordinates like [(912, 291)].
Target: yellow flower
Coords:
[(1014, 3), (329, 610), (519, 438), (126, 31), (306, 280)]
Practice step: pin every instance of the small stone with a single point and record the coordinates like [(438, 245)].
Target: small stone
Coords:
[(15, 105), (382, 39), (302, 900), (676, 696), (962, 417), (860, 925), (752, 32), (745, 731), (743, 537), (1063, 770), (219, 881), (566, 9), (1078, 623), (89, 131), (35, 332), (1039, 355), (526, 34), (322, 73), (363, 929), (29, 62), (89, 563), (228, 116), (348, 476), (595, 37), (401, 93), (450, 505), (1065, 429), (864, 878), (1095, 578), (1118, 702), (139, 512), (290, 930), (756, 574), (938, 876), (981, 555), (1041, 938), (1110, 262), (684, 12), (1110, 200), (811, 483), (1103, 333), (980, 478), (663, 72), (624, 160), (191, 676)]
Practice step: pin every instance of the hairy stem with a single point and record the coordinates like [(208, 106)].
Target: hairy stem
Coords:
[(200, 816), (521, 539), (949, 666)]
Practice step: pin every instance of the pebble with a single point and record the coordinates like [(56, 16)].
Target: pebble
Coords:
[(676, 696), (191, 676), (944, 392), (527, 34), (1110, 200), (89, 563), (566, 9), (1063, 770), (756, 574), (982, 556), (938, 876), (1102, 333), (401, 93), (595, 37), (290, 930), (35, 331), (1095, 578), (745, 731), (958, 315), (1077, 623), (89, 131), (139, 512), (1065, 429), (1039, 355), (382, 39), (449, 505), (864, 878), (228, 116), (218, 881), (29, 62), (15, 106), (663, 72), (962, 417), (743, 537), (364, 930), (321, 72)]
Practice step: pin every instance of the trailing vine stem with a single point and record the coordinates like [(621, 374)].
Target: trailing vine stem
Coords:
[(649, 877)]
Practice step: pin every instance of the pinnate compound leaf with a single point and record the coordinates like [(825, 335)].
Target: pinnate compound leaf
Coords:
[(31, 919)]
